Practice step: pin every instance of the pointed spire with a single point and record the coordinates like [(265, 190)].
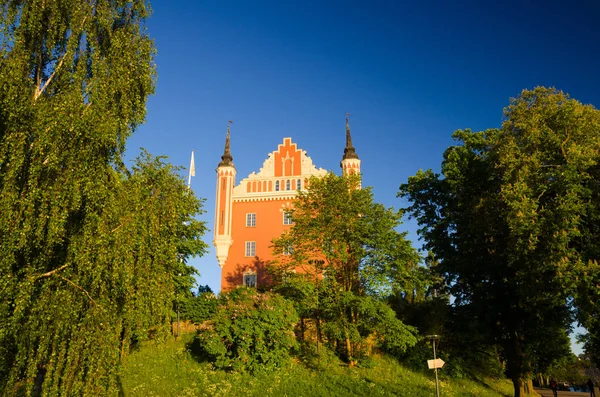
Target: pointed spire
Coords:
[(349, 151), (226, 158)]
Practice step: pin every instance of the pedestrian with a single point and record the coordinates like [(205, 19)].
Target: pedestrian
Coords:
[(554, 387), (590, 384)]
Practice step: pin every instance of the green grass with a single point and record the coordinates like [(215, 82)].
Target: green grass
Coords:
[(171, 370)]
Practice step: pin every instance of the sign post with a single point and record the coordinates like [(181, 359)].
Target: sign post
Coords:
[(435, 363)]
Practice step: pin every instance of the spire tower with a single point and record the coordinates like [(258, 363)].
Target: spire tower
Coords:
[(226, 158), (350, 162), (223, 207)]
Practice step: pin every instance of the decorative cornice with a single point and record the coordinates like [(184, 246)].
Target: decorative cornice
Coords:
[(247, 199)]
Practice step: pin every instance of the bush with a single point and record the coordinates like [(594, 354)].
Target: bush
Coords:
[(199, 308), (250, 331)]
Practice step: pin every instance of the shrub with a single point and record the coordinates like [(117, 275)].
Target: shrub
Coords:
[(250, 331), (199, 308)]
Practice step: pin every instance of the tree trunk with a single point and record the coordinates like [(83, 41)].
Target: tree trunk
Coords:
[(528, 383), (515, 364), (518, 386)]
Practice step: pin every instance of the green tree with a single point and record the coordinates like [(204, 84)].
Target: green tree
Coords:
[(250, 331), (348, 246), (88, 249), (199, 307), (513, 221)]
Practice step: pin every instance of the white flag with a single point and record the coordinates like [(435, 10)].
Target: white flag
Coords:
[(192, 166)]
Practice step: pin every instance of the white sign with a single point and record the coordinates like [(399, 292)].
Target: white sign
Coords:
[(437, 363)]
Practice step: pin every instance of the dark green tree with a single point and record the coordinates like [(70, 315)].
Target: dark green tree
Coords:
[(88, 249), (347, 246), (512, 220)]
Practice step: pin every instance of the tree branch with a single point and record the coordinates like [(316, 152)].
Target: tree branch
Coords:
[(51, 272), (39, 91), (562, 146), (79, 288)]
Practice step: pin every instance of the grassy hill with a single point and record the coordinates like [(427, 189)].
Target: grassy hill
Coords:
[(171, 369)]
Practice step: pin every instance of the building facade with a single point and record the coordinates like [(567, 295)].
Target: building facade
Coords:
[(250, 214)]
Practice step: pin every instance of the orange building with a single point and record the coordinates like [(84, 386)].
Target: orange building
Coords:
[(249, 215)]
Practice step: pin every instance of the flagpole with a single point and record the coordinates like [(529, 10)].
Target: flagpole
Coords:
[(192, 171)]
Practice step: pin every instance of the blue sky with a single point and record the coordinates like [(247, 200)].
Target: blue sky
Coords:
[(410, 73)]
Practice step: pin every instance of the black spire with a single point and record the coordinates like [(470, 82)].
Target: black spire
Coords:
[(349, 151), (226, 158)]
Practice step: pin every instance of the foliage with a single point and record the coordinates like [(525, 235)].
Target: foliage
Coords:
[(345, 249), (199, 308), (89, 249), (172, 370), (370, 317), (250, 331), (463, 344), (513, 221), (591, 343)]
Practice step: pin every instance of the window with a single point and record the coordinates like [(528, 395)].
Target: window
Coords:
[(250, 220), (287, 185), (277, 186), (288, 250), (250, 279), (250, 248), (287, 218), (298, 185)]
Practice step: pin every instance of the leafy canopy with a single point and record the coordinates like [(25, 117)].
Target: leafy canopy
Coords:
[(250, 331), (513, 222), (89, 249), (347, 255)]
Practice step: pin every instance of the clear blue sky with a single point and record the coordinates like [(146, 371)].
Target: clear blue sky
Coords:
[(410, 73)]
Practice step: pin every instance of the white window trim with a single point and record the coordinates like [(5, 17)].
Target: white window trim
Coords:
[(248, 246), (285, 219), (249, 219)]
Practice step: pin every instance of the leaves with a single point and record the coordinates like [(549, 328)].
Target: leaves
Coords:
[(348, 255), (89, 249), (250, 331), (513, 219)]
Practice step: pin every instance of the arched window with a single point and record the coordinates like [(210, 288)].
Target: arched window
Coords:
[(277, 186), (298, 184), (287, 185)]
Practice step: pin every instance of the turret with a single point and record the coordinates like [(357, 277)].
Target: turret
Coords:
[(350, 162), (225, 182)]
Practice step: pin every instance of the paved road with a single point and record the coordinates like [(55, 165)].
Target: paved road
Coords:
[(548, 393)]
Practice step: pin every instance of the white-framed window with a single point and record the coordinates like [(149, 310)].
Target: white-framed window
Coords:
[(250, 220), (250, 279), (276, 186), (250, 248), (298, 184), (288, 185), (287, 218)]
